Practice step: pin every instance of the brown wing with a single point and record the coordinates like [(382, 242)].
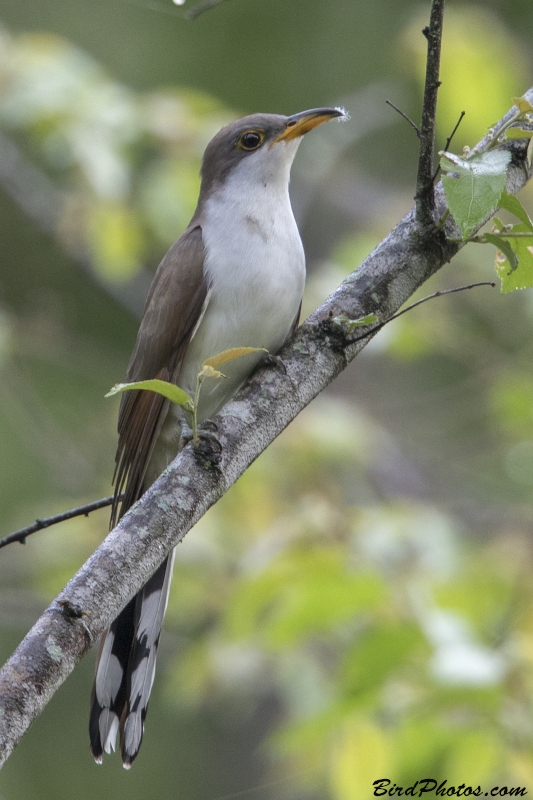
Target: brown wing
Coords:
[(174, 305)]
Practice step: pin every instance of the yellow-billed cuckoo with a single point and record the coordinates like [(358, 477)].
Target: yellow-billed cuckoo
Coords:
[(235, 278)]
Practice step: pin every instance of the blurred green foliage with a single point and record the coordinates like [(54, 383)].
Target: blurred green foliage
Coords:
[(397, 651), (129, 162), (482, 65), (358, 606)]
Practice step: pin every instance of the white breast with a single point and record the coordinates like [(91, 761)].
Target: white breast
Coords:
[(255, 266)]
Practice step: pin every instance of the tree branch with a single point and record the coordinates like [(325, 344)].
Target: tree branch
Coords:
[(425, 196), (46, 522), (272, 398), (406, 118), (448, 142)]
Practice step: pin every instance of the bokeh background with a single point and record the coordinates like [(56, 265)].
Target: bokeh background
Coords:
[(359, 606)]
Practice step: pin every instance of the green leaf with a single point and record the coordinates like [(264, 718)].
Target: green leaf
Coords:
[(168, 390), (523, 105), (518, 133), (370, 319), (473, 193), (208, 372), (520, 277), (230, 355), (512, 204), (505, 247)]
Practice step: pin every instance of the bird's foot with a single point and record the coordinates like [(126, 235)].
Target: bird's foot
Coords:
[(186, 435), (270, 360), (208, 429), (208, 446), (208, 449), (72, 611), (337, 336)]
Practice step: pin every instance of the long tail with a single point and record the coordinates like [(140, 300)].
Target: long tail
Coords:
[(126, 667)]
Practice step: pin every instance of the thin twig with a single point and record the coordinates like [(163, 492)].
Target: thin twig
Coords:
[(198, 9), (404, 115), (449, 141), (452, 134), (46, 522), (425, 197), (410, 307), (480, 239)]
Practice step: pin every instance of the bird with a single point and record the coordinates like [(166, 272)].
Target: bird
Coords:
[(234, 278)]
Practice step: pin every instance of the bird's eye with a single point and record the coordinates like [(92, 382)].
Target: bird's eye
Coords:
[(250, 140)]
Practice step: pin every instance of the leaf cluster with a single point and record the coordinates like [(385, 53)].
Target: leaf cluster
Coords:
[(179, 396), (474, 186)]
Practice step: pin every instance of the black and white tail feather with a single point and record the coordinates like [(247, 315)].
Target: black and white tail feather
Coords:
[(126, 669), (126, 664)]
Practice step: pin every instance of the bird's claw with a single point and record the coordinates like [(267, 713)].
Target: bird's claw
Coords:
[(270, 360), (208, 446), (186, 435), (73, 611), (208, 429)]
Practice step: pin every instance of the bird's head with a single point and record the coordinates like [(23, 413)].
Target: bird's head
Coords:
[(259, 148)]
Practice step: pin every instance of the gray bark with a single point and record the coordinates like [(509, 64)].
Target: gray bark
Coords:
[(273, 397)]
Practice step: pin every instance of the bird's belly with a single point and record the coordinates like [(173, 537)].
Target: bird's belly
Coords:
[(256, 289), (254, 298)]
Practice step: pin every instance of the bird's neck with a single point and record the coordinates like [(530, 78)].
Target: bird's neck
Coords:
[(238, 201)]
